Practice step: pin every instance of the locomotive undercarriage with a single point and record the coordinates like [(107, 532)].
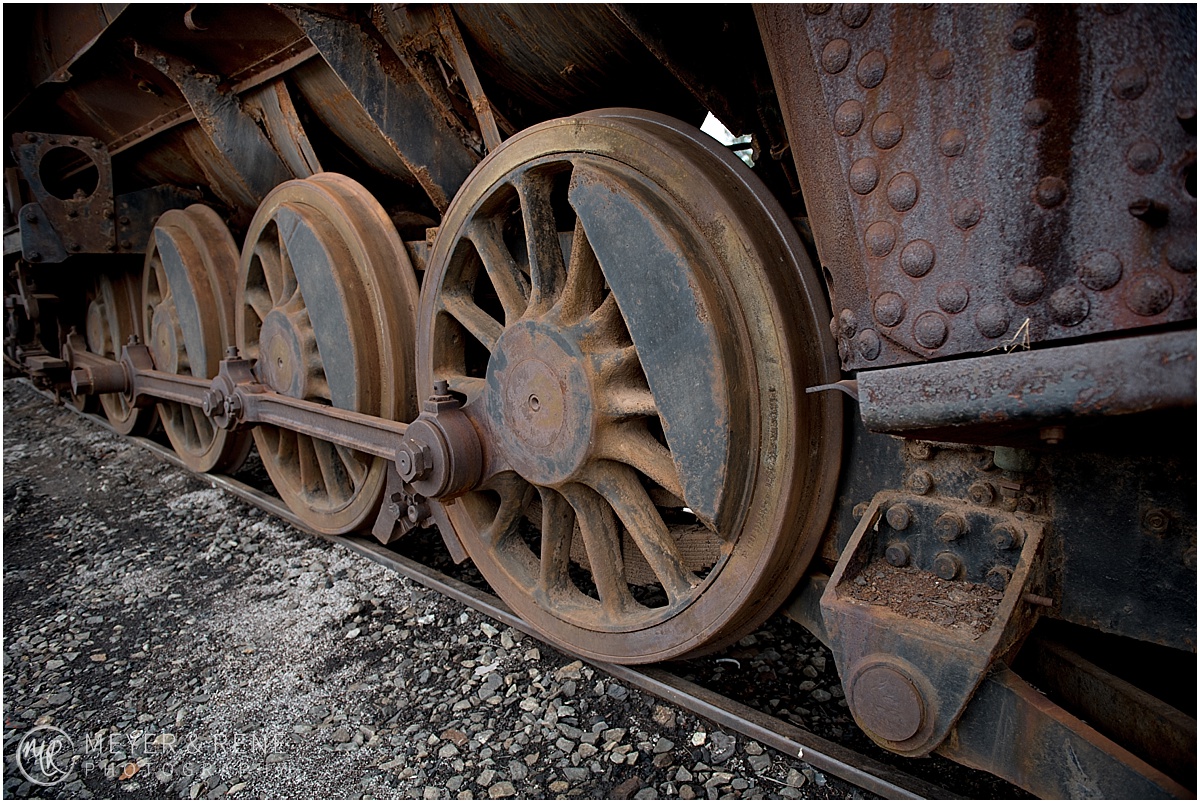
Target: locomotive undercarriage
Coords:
[(594, 349)]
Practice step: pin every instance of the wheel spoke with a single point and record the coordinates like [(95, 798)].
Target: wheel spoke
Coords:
[(483, 327), (546, 270), (631, 443), (356, 468), (469, 386), (204, 432), (602, 540), (584, 290), (558, 526), (306, 459), (328, 463), (606, 325), (259, 300), (266, 254), (512, 286), (623, 403), (515, 496), (619, 485)]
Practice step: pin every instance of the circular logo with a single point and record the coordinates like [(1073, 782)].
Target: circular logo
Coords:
[(44, 755)]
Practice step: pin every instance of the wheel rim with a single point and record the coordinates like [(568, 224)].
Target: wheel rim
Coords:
[(187, 320), (327, 299), (111, 319), (655, 479)]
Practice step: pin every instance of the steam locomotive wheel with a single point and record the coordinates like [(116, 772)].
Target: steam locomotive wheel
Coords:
[(326, 305), (111, 319), (631, 322), (187, 321)]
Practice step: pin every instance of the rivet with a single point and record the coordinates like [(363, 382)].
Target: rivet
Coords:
[(953, 297), (953, 142), (835, 56), (992, 320), (916, 258), (34, 256), (97, 144), (1025, 284), (847, 325), (889, 309), (981, 493), (1185, 113), (998, 577), (73, 247), (880, 238), (1129, 83), (1156, 521), (1099, 270), (920, 482), (902, 191), (31, 137), (899, 517), (73, 141), (1050, 192), (1036, 113), (950, 526), (930, 329), (1148, 294), (53, 140), (864, 175), (30, 216), (859, 510), (854, 15), (124, 221), (1143, 157), (848, 118), (967, 213), (947, 565), (897, 554), (1181, 254), (1006, 536), (887, 130), (817, 9), (126, 244), (940, 64), (1023, 35), (871, 69), (1069, 306), (868, 344)]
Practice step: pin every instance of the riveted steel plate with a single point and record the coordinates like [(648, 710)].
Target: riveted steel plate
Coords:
[(986, 177)]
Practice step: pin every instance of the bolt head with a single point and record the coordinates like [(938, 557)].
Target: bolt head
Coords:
[(899, 517), (34, 256), (982, 493), (859, 510), (897, 554), (998, 577), (30, 216), (950, 526), (1005, 536), (920, 482), (947, 565)]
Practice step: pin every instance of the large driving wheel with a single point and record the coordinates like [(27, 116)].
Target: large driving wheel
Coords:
[(631, 322), (187, 319), (112, 316), (326, 306)]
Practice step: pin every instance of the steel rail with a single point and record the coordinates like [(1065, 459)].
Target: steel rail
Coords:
[(863, 771)]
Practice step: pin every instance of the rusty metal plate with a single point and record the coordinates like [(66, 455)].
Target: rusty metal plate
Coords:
[(980, 177)]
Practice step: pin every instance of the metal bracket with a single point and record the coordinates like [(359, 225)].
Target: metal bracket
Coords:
[(908, 672)]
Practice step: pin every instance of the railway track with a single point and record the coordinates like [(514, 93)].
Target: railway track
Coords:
[(824, 754)]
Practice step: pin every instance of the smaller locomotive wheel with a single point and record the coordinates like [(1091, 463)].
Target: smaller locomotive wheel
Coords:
[(187, 321), (631, 321), (112, 316), (326, 304)]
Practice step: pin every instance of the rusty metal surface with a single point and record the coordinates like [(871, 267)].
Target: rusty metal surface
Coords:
[(326, 302), (1013, 731), (907, 676), (1145, 725), (981, 175), (112, 318), (570, 364), (62, 33), (974, 400), (383, 107), (71, 215)]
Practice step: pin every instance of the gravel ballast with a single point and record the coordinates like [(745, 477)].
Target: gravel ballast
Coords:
[(191, 646)]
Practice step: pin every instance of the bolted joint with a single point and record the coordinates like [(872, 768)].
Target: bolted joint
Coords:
[(413, 459), (898, 554), (950, 526), (213, 402), (947, 566), (81, 382)]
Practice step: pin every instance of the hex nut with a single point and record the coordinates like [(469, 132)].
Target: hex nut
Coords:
[(998, 577), (920, 482), (982, 493), (950, 526), (1006, 536)]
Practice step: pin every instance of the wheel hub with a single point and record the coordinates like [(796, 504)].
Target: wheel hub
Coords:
[(164, 343), (540, 403), (283, 365)]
